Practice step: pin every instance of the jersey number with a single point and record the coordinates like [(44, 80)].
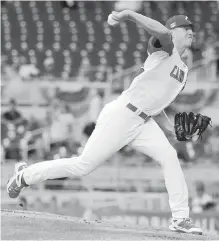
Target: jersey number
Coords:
[(177, 74)]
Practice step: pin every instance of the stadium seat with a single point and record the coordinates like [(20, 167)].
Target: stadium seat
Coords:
[(31, 28)]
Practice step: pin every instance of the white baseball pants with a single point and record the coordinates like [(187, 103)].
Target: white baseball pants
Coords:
[(116, 127)]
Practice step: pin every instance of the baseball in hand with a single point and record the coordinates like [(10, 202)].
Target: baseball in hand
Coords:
[(111, 21)]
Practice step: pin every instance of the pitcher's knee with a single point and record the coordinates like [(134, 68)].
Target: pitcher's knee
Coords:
[(85, 170), (80, 166), (169, 155)]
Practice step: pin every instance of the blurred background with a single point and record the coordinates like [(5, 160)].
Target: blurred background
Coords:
[(60, 64)]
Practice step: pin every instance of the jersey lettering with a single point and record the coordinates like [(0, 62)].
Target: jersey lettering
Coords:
[(177, 74)]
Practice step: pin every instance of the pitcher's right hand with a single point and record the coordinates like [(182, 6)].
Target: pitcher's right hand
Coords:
[(116, 17)]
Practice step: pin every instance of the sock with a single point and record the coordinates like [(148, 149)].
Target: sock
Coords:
[(23, 181)]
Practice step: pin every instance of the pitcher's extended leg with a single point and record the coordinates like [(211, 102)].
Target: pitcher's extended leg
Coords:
[(152, 142), (115, 128)]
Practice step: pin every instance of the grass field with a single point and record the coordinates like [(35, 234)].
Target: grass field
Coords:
[(26, 225)]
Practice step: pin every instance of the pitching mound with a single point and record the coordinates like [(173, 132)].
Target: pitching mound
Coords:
[(26, 225)]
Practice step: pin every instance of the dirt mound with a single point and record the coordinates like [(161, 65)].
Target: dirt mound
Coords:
[(26, 225)]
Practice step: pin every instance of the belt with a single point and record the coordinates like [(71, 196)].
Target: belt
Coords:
[(135, 109)]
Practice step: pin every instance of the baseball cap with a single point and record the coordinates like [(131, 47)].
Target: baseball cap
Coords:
[(178, 21)]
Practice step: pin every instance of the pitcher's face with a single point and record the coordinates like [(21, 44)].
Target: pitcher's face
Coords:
[(184, 35)]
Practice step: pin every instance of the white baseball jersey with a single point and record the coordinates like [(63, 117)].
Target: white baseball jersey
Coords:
[(163, 78)]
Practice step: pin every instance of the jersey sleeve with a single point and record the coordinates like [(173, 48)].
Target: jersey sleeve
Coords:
[(154, 45)]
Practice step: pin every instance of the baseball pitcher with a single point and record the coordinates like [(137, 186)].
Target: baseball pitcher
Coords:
[(128, 120)]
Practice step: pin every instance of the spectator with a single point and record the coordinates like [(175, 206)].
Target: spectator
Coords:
[(69, 4), (49, 65), (14, 126), (197, 44), (209, 55), (53, 205), (61, 122), (212, 144), (39, 205), (202, 201), (26, 71), (12, 116), (62, 153)]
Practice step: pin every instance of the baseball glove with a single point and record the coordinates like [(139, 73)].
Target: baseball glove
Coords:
[(188, 125)]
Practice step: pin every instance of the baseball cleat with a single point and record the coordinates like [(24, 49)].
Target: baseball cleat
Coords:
[(15, 185), (185, 226)]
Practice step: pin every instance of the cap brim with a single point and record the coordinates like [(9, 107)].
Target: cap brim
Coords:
[(186, 25), (182, 26)]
